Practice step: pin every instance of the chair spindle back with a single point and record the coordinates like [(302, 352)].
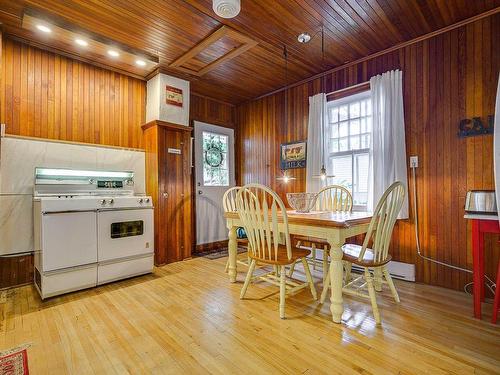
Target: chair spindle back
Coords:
[(383, 220), (229, 199), (265, 220), (334, 198)]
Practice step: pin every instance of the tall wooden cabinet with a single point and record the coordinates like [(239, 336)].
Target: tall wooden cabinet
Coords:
[(168, 181)]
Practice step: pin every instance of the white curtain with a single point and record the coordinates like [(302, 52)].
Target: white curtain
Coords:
[(315, 141), (388, 149), (496, 146)]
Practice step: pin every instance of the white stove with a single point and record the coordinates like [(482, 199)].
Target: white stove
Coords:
[(90, 229)]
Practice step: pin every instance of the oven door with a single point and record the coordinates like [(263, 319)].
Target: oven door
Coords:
[(123, 233)]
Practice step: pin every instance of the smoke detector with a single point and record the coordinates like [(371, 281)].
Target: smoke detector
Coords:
[(226, 8)]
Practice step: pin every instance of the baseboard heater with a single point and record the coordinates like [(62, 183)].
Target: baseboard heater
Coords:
[(398, 270)]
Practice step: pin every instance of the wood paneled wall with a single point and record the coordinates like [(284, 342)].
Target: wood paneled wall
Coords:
[(211, 111), (50, 96), (447, 78)]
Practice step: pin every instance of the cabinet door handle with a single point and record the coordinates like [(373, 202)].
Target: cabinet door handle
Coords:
[(165, 195)]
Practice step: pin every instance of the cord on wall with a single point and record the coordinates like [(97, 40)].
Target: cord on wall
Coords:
[(488, 282)]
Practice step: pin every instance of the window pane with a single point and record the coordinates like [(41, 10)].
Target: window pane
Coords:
[(215, 163), (343, 129), (343, 145), (354, 110), (365, 141), (355, 145), (351, 126), (368, 107), (335, 131), (334, 114), (334, 145), (354, 127), (343, 113), (342, 170), (361, 169)]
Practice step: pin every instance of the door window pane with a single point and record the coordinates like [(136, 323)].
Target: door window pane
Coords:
[(215, 159)]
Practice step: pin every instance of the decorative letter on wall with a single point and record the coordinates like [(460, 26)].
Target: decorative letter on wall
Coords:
[(475, 126)]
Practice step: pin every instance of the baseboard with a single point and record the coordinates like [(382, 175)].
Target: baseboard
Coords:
[(212, 246)]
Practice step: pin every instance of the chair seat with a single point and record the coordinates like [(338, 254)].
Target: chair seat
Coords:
[(319, 241), (282, 258), (351, 254)]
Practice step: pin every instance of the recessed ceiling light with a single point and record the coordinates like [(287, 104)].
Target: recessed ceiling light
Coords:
[(140, 62), (81, 42), (113, 53), (43, 28)]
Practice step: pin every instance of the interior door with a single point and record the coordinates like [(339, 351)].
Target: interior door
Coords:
[(214, 169)]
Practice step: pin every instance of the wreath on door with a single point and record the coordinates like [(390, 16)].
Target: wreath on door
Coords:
[(214, 156)]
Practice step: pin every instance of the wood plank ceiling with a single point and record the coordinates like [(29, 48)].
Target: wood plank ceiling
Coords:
[(167, 29)]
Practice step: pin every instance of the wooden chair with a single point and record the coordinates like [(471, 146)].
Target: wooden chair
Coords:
[(229, 205), (376, 258), (330, 198), (265, 220)]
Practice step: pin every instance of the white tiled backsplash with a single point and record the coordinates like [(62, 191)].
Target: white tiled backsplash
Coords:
[(18, 159)]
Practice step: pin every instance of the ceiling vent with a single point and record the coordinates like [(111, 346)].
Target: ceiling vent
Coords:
[(226, 8)]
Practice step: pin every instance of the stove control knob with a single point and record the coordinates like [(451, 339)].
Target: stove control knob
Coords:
[(140, 200), (111, 201), (103, 202), (146, 200)]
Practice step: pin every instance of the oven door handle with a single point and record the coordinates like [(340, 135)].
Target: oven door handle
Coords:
[(124, 209), (65, 212)]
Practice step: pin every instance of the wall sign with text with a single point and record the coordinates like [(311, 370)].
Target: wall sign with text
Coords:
[(293, 155), (174, 96), (475, 126)]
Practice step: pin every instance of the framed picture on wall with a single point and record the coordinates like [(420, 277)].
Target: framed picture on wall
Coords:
[(293, 155), (174, 96)]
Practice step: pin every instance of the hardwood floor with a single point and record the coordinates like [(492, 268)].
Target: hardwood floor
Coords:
[(187, 318)]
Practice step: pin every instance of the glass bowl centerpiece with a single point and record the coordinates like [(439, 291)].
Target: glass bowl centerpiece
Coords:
[(301, 202)]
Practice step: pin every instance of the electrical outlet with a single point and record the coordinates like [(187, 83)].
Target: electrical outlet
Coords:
[(413, 161)]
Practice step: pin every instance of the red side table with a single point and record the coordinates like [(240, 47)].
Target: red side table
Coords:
[(480, 224)]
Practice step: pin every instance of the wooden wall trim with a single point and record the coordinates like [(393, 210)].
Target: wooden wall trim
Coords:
[(385, 51), (167, 125)]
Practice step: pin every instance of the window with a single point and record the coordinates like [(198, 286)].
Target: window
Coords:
[(350, 127), (215, 159)]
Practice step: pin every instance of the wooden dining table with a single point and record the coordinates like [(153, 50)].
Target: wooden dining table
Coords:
[(335, 227)]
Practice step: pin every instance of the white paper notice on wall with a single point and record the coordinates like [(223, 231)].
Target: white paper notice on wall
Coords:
[(174, 151)]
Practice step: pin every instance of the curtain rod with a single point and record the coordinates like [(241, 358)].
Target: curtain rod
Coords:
[(348, 88)]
